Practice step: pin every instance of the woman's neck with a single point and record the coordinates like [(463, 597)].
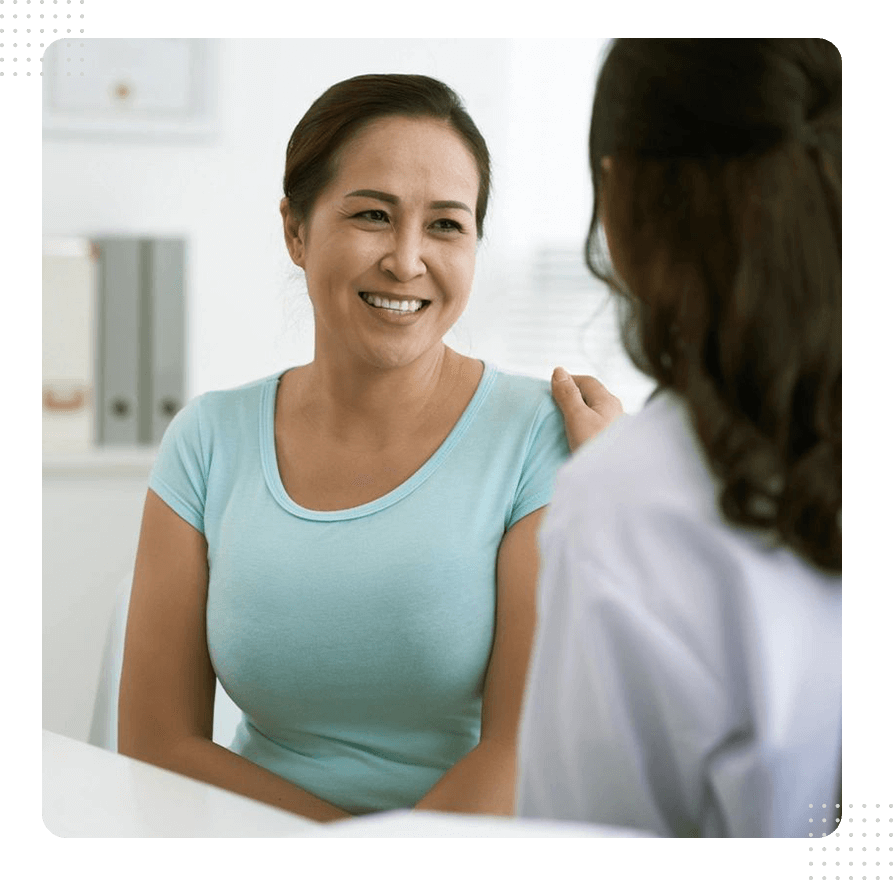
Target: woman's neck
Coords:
[(373, 409)]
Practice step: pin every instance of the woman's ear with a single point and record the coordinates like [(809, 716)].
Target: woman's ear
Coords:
[(294, 234)]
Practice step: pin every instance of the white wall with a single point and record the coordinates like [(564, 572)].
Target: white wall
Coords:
[(246, 314)]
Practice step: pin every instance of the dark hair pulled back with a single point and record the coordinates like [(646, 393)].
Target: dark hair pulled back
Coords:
[(344, 108), (724, 198)]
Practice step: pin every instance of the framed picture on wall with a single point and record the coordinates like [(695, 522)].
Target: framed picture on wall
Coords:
[(129, 88)]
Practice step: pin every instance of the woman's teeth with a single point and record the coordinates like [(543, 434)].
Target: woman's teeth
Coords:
[(395, 305)]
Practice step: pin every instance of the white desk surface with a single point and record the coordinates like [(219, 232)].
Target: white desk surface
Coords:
[(91, 792)]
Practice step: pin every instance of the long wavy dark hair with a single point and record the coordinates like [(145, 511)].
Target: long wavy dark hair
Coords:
[(722, 194)]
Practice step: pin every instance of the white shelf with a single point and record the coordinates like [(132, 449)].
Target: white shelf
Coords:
[(114, 462)]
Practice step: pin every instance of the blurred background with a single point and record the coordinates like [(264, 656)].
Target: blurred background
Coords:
[(165, 273)]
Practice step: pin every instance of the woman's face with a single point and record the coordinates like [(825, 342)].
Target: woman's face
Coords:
[(389, 248)]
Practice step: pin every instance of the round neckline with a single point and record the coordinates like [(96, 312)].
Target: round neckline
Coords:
[(270, 461)]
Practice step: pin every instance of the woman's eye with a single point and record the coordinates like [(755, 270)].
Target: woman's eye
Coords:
[(375, 215), (378, 216), (447, 225)]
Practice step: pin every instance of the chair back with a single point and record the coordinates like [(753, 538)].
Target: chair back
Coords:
[(104, 724)]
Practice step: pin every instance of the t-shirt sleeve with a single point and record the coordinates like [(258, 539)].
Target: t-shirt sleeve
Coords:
[(547, 450), (179, 475)]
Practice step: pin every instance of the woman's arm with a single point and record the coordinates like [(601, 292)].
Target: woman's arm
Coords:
[(166, 698)]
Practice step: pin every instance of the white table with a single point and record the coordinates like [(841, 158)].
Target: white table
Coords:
[(91, 792)]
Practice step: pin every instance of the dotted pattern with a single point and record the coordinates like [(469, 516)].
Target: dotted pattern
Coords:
[(27, 27), (820, 826), (860, 849)]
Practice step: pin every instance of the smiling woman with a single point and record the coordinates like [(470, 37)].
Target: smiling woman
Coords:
[(386, 186), (349, 545), (392, 226)]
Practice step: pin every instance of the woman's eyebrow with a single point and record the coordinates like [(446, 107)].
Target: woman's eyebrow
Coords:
[(393, 200)]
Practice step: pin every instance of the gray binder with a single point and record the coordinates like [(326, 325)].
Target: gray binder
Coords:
[(140, 338), (165, 323)]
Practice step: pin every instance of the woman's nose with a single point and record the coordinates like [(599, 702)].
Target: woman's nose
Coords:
[(405, 259)]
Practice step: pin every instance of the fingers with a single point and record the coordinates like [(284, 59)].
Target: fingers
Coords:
[(568, 389), (596, 395), (589, 381), (590, 388), (559, 374)]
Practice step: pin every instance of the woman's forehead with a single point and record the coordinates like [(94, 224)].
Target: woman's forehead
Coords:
[(427, 150)]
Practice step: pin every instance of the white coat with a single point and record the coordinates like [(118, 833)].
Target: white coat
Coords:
[(686, 675)]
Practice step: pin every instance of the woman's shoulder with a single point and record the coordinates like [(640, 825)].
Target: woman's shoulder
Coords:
[(222, 401), (521, 396), (217, 412)]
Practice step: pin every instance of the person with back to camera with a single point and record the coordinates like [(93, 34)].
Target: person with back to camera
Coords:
[(686, 671), (349, 545)]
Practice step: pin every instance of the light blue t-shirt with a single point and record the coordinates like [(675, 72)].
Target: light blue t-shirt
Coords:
[(356, 641)]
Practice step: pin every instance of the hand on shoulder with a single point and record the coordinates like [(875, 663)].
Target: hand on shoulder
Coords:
[(587, 406)]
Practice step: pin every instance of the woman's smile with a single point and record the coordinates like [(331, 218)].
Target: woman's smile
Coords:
[(394, 307)]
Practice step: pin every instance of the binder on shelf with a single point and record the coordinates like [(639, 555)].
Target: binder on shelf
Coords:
[(118, 373), (68, 282), (140, 338), (166, 345)]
